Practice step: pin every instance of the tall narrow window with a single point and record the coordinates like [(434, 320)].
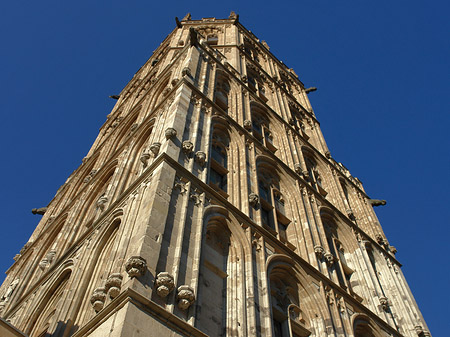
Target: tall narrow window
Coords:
[(219, 160), (272, 209), (261, 128), (211, 317), (314, 176), (222, 92)]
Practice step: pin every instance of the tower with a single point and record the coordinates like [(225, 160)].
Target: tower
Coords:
[(210, 204)]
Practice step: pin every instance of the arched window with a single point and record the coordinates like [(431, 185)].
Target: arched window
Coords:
[(272, 208), (298, 121), (287, 317), (43, 320), (221, 93), (343, 271), (211, 317), (261, 127), (314, 176), (256, 84), (219, 159)]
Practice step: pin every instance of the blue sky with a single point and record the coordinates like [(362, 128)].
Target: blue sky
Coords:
[(382, 70)]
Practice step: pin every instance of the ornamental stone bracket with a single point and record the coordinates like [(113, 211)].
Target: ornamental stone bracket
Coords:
[(200, 158), (185, 297), (170, 133), (164, 284), (253, 199), (329, 259), (98, 298), (384, 303), (136, 266), (187, 147), (145, 156), (298, 168), (154, 148), (248, 125), (113, 284), (319, 251)]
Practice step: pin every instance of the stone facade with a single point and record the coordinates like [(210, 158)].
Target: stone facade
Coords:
[(209, 204)]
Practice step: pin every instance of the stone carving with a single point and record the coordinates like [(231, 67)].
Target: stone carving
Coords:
[(47, 260), (308, 90), (90, 176), (234, 16), (377, 202), (25, 247), (350, 215), (187, 147), (40, 211), (328, 154), (145, 156), (195, 197), (200, 158), (185, 297), (298, 168), (9, 291), (170, 133), (393, 250), (253, 199), (186, 72), (329, 259), (101, 202), (136, 266), (181, 184), (98, 298), (380, 239), (418, 329), (248, 125), (154, 148), (164, 284), (319, 251), (384, 303), (187, 17), (112, 285)]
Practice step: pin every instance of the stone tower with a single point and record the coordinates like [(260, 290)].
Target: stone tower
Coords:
[(209, 204)]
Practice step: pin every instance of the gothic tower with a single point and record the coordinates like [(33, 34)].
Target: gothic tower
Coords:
[(209, 204)]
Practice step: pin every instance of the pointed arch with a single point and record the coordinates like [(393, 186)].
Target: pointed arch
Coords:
[(46, 311)]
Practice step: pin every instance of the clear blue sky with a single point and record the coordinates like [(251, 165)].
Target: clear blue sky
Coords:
[(381, 67)]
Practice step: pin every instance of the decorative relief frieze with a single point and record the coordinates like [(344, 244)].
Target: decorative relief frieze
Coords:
[(164, 284), (185, 296), (136, 266)]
